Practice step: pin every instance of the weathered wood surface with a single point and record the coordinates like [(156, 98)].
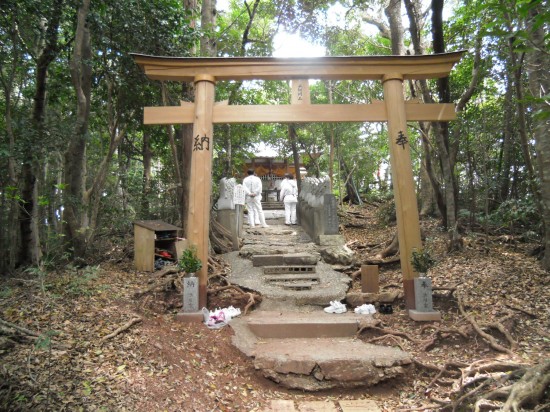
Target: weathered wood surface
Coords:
[(304, 113), (185, 69)]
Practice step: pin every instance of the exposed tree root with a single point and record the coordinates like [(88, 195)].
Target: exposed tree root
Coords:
[(160, 284), (252, 297), (490, 339), (492, 385), (530, 388), (221, 239), (385, 337), (374, 326), (376, 261), (355, 274), (390, 250), (440, 334)]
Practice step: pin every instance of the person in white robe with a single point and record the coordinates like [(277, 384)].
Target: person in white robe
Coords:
[(289, 195), (253, 189)]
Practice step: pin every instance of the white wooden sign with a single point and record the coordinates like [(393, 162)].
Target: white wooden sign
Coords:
[(238, 195)]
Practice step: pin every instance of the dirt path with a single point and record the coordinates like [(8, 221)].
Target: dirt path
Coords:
[(159, 364)]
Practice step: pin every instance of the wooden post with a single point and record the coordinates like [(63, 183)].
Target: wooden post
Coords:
[(408, 225), (300, 92), (200, 185), (370, 279)]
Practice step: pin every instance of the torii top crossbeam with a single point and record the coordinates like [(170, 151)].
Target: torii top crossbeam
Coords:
[(186, 69)]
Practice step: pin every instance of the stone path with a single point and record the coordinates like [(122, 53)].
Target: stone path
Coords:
[(321, 406), (295, 249), (290, 339)]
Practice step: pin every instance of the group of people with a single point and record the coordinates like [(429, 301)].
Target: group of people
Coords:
[(253, 189)]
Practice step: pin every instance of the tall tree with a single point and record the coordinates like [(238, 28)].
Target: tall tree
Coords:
[(75, 157), (48, 49), (539, 84)]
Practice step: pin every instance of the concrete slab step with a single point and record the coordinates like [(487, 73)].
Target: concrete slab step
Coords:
[(298, 286), (275, 270), (290, 259), (359, 405), (293, 278), (317, 406), (302, 325), (325, 363)]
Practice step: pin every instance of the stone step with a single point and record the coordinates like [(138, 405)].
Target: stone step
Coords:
[(358, 405), (298, 286), (315, 351), (312, 278), (275, 270), (325, 363), (303, 325), (291, 259), (273, 206)]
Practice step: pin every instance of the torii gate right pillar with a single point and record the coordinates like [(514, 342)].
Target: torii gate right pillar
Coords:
[(408, 224)]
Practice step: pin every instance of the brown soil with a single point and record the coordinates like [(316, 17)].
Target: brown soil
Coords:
[(160, 364)]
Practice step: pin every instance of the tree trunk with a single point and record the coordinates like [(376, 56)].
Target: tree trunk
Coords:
[(185, 133), (446, 156), (147, 155), (522, 121), (75, 156), (393, 12), (352, 194), (430, 189), (505, 163), (178, 163), (9, 235), (539, 84), (208, 24), (293, 137), (427, 194), (331, 126), (30, 237)]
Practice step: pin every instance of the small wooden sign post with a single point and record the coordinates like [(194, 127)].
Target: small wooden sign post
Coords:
[(390, 70)]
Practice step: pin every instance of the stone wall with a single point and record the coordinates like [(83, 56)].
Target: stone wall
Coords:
[(317, 208)]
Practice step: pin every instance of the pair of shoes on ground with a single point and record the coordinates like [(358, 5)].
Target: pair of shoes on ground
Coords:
[(336, 307), (220, 317), (365, 309)]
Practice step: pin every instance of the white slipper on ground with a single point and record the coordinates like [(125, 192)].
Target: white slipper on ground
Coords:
[(335, 307), (365, 309)]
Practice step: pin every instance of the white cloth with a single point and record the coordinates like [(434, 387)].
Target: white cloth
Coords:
[(253, 189), (289, 194)]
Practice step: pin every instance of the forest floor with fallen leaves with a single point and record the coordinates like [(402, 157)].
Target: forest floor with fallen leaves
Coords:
[(79, 338)]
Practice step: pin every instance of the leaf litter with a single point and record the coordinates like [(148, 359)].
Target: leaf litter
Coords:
[(161, 364)]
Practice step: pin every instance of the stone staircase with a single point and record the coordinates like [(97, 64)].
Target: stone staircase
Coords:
[(290, 339)]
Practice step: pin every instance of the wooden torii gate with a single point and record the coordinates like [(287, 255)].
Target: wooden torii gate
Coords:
[(203, 113)]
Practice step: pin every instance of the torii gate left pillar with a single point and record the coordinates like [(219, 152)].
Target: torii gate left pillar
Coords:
[(200, 188)]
